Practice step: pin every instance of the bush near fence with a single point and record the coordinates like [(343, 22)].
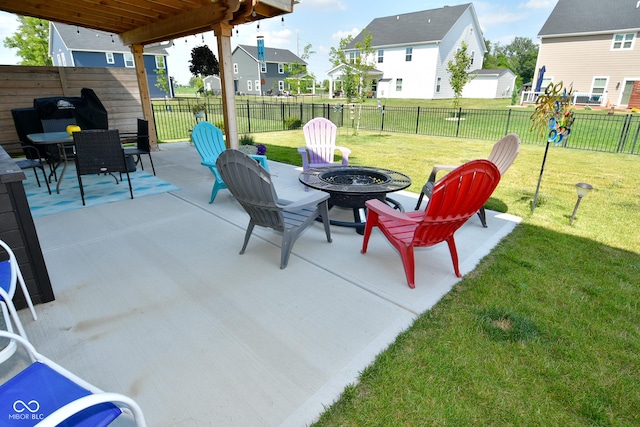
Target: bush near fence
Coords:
[(597, 132)]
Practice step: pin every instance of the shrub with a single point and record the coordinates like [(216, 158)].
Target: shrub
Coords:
[(220, 125), (292, 123), (246, 140)]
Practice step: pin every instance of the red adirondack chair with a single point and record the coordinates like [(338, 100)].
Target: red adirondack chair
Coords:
[(455, 199)]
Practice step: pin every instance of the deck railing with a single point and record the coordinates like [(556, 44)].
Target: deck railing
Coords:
[(617, 133)]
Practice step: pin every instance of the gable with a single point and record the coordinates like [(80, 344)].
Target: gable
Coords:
[(573, 17), (410, 28), (84, 39), (273, 55)]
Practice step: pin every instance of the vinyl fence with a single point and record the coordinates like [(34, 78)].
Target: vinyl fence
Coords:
[(596, 132)]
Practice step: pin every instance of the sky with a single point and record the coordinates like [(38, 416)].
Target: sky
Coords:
[(322, 23)]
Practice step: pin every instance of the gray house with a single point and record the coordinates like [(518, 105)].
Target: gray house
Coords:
[(71, 46), (593, 45), (253, 77)]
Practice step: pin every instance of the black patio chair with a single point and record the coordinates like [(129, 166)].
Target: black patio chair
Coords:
[(142, 145), (99, 151), (32, 160)]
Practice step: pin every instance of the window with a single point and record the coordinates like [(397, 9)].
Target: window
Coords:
[(438, 83), (598, 87), (353, 57), (281, 85), (64, 59), (398, 85), (263, 67), (159, 61), (623, 41), (110, 59), (128, 60), (280, 68), (249, 87), (408, 54), (235, 68), (380, 56), (473, 54), (256, 85)]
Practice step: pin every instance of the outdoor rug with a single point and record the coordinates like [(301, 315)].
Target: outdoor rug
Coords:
[(98, 190)]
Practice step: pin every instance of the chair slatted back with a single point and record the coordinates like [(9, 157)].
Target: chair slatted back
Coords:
[(142, 137), (320, 137), (505, 151), (455, 199), (251, 185), (208, 140)]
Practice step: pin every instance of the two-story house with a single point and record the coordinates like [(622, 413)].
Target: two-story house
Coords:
[(592, 45), (254, 77), (412, 51), (71, 46)]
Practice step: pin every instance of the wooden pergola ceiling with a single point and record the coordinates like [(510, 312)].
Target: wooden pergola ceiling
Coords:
[(149, 21)]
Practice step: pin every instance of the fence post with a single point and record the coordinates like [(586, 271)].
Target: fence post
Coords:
[(459, 119), (624, 134), (384, 107), (506, 131), (248, 117), (418, 120), (282, 114)]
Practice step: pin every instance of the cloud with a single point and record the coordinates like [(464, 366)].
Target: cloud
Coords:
[(339, 35), (330, 5), (538, 4)]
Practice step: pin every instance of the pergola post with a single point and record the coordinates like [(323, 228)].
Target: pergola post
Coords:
[(223, 33), (143, 87)]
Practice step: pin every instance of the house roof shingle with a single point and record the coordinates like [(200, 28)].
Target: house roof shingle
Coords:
[(78, 38), (424, 26), (591, 16), (272, 54)]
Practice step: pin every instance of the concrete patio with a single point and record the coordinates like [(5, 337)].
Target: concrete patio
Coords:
[(154, 301)]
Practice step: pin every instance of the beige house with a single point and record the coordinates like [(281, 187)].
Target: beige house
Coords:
[(592, 44)]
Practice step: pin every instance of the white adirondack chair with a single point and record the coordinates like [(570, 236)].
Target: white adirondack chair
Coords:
[(320, 137)]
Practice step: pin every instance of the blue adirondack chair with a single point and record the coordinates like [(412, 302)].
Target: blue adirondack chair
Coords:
[(209, 142)]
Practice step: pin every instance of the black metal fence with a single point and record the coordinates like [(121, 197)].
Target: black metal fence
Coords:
[(597, 132)]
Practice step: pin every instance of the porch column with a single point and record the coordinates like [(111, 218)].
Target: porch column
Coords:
[(223, 35), (145, 98)]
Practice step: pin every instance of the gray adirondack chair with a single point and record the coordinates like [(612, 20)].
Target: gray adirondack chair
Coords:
[(251, 185)]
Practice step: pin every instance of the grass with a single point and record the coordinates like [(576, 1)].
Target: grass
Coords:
[(545, 331)]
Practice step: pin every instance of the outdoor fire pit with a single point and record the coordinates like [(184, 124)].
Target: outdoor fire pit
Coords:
[(352, 186)]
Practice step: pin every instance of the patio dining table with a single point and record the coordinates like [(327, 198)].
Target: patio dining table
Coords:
[(61, 140)]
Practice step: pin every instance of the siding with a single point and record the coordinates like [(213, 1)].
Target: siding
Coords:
[(117, 88), (578, 60)]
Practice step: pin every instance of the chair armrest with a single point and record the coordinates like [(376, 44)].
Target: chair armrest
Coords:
[(76, 406), (345, 154), (33, 354), (305, 157), (384, 210), (438, 168), (311, 200)]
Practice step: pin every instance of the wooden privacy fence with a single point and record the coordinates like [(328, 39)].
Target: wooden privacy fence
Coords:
[(117, 89)]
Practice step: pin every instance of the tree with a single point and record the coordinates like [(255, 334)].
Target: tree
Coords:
[(357, 64), (296, 72), (203, 62), (32, 41), (161, 80), (459, 70), (495, 57), (523, 53)]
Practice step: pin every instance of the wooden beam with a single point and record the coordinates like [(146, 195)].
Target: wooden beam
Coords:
[(223, 35), (145, 98), (190, 22)]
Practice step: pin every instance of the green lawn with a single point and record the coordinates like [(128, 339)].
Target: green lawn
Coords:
[(545, 331)]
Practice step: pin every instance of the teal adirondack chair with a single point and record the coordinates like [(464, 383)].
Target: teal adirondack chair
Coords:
[(209, 142)]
